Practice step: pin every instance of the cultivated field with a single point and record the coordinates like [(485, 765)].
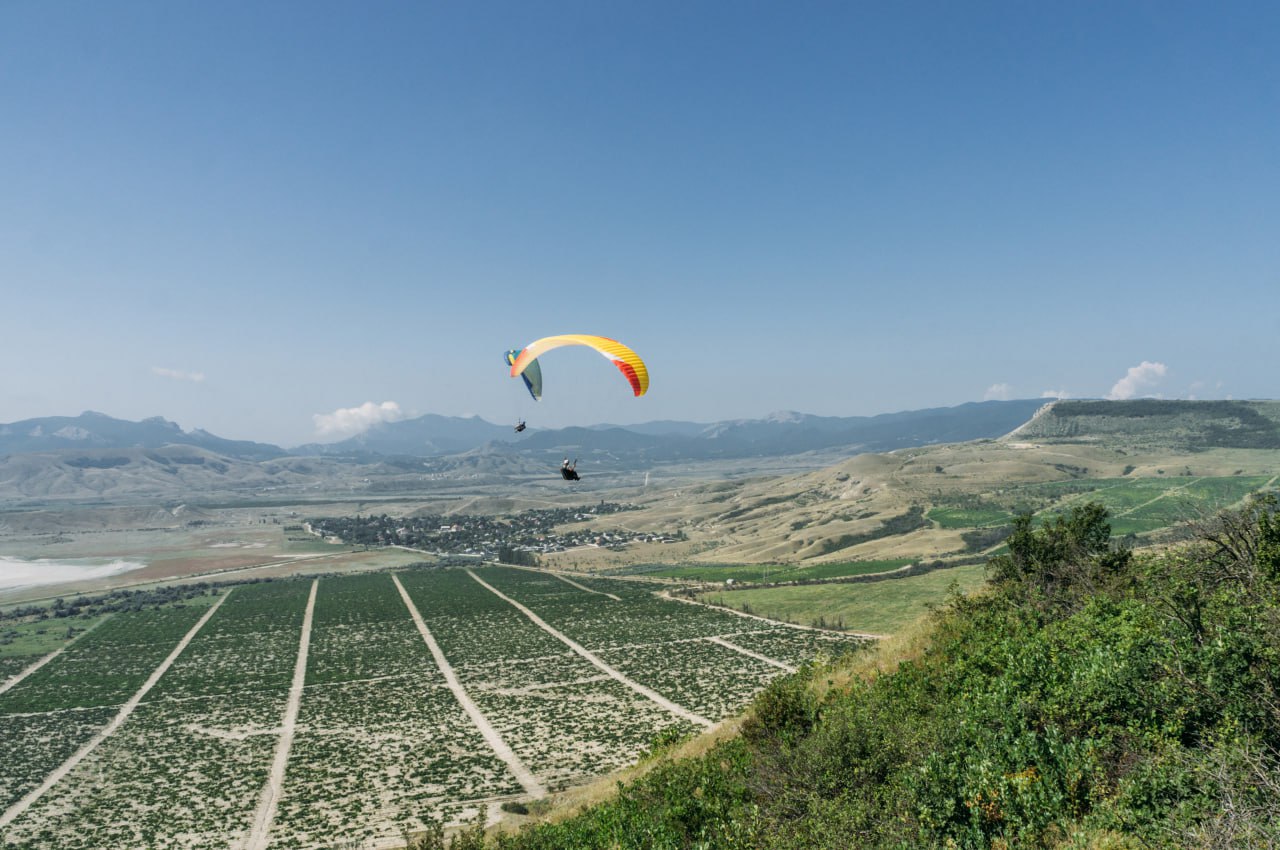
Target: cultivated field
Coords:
[(881, 607), (753, 573), (1135, 505), (300, 713)]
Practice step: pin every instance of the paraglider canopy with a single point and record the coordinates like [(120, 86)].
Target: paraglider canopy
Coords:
[(532, 375), (627, 361)]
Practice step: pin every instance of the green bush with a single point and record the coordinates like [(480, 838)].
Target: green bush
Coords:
[(1092, 699), (785, 711)]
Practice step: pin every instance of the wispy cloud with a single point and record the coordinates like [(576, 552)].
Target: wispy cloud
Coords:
[(998, 392), (1143, 375), (349, 421), (178, 374), (1055, 394)]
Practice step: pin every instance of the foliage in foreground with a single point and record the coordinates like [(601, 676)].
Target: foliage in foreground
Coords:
[(1093, 698)]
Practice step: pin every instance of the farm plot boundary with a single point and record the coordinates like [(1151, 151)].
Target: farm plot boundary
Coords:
[(125, 710), (752, 654), (258, 835), (564, 672), (43, 660), (491, 735), (678, 710)]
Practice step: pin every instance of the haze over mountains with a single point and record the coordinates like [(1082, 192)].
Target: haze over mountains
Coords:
[(96, 457), (432, 435), (93, 456), (91, 430)]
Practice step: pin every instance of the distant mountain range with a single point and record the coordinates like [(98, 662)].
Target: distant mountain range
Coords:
[(426, 436), (780, 434), (96, 457), (433, 436), (92, 430)]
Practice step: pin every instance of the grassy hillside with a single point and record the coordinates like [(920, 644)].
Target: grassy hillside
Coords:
[(1090, 698), (1184, 425), (1153, 463), (883, 607)]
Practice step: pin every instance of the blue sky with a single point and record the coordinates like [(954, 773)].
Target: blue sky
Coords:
[(243, 216)]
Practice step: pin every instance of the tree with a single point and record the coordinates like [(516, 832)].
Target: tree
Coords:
[(1062, 562)]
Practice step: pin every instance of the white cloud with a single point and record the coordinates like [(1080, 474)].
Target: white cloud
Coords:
[(998, 392), (178, 374), (348, 421), (1055, 394), (1144, 374)]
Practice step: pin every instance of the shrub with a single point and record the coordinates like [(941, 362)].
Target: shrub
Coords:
[(785, 711)]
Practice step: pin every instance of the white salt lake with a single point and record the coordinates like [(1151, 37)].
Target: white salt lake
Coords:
[(17, 572)]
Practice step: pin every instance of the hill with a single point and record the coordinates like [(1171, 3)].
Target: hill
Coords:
[(423, 436), (98, 457), (92, 430), (1154, 464), (923, 502), (168, 472), (633, 447), (1089, 698), (1152, 423)]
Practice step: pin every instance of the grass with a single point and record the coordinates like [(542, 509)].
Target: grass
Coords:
[(720, 572), (882, 607), (1146, 504), (969, 517), (849, 568), (756, 573), (1137, 505), (1018, 724), (299, 543), (43, 636)]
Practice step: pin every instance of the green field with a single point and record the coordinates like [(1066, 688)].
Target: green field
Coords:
[(381, 739), (881, 607), (756, 573), (1147, 504), (849, 568), (301, 543), (43, 636), (969, 517), (1136, 505)]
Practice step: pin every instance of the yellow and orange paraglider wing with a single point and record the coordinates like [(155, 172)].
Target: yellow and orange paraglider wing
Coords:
[(627, 361)]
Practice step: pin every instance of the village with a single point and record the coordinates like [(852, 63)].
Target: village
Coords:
[(511, 538)]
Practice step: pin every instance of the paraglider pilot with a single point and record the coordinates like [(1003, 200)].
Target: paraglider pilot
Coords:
[(567, 470), (520, 426)]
